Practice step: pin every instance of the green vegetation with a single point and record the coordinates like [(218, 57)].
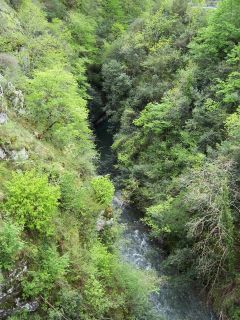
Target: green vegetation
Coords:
[(172, 88), (31, 201), (11, 244), (167, 76), (54, 262), (104, 190)]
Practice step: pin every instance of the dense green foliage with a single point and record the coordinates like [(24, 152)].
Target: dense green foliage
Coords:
[(172, 89), (103, 190), (55, 263), (31, 201), (167, 76), (11, 244)]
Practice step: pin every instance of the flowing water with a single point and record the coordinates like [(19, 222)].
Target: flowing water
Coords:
[(176, 300)]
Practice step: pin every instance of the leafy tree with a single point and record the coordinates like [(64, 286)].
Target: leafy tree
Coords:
[(220, 36), (117, 85), (130, 288), (55, 8), (33, 18), (55, 106), (11, 35), (82, 29)]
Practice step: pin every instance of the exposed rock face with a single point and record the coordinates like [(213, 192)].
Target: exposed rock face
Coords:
[(20, 155), (1, 92), (28, 306), (16, 97), (3, 154), (3, 118), (102, 222), (8, 61), (15, 155), (12, 95), (9, 290)]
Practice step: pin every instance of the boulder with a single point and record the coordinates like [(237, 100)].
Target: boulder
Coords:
[(20, 155), (2, 154), (3, 118)]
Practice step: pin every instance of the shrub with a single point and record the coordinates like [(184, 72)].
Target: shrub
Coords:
[(51, 269), (32, 201), (69, 304), (95, 299), (123, 288), (10, 244), (104, 190)]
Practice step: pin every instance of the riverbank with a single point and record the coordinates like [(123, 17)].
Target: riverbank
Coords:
[(176, 299)]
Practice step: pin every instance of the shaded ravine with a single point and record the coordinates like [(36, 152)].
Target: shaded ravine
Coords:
[(176, 300)]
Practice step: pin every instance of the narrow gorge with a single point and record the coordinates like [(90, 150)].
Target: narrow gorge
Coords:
[(119, 159), (174, 298)]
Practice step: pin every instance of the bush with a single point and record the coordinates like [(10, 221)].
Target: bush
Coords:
[(10, 244), (125, 290), (69, 304), (211, 225), (96, 303), (51, 269), (104, 190), (32, 201)]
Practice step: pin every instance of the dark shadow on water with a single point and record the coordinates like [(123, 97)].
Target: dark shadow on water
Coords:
[(104, 141)]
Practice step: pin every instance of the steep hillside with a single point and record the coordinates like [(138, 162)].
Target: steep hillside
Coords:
[(172, 90), (57, 228), (166, 76)]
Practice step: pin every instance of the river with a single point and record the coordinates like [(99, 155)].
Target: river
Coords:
[(175, 300)]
